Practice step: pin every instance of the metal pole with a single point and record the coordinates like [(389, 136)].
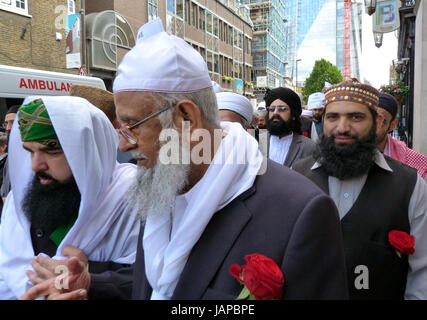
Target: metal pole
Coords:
[(83, 35), (244, 73)]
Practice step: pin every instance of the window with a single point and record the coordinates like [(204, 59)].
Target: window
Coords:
[(216, 26), (216, 63), (170, 6), (209, 22), (202, 20), (17, 6), (209, 60), (195, 11), (152, 6), (71, 6), (180, 8), (187, 11), (237, 39)]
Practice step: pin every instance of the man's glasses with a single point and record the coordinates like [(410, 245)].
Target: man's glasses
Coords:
[(279, 108), (126, 131)]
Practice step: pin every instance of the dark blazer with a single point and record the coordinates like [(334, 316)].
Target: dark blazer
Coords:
[(300, 147), (283, 216), (306, 124)]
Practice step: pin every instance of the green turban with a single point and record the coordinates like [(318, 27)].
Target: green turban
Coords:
[(35, 125)]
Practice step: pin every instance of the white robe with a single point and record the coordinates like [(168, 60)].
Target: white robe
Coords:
[(102, 230)]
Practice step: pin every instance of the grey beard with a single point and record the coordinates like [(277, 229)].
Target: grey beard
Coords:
[(154, 191)]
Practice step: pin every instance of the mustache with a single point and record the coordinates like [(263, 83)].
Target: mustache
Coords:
[(276, 116), (44, 175), (138, 156), (345, 134)]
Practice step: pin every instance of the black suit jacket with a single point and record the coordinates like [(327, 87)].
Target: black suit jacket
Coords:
[(283, 216)]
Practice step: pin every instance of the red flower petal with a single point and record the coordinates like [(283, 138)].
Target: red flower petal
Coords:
[(237, 271)]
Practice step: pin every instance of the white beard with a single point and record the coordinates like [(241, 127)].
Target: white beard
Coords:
[(155, 189)]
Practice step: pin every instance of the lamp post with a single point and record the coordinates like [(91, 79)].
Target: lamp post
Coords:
[(296, 73), (370, 6)]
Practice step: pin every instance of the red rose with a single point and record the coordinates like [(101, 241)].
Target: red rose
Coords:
[(261, 275), (305, 134), (401, 241)]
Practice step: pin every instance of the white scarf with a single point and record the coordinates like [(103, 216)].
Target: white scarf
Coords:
[(225, 179), (102, 230)]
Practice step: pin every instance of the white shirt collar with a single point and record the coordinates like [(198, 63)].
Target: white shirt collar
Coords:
[(282, 139), (378, 159)]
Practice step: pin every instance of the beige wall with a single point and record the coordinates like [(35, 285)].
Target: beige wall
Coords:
[(420, 88)]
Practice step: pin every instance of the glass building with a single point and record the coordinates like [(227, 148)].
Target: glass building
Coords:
[(315, 30), (269, 44)]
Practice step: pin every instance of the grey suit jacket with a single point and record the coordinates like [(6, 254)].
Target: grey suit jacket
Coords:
[(300, 147), (283, 216)]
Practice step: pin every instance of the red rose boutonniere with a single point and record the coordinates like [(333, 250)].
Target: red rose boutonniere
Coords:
[(261, 277), (402, 242)]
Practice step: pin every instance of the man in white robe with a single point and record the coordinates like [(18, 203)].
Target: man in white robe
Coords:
[(79, 149)]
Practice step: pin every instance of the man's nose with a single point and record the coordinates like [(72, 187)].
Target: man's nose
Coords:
[(343, 125), (38, 163), (124, 144)]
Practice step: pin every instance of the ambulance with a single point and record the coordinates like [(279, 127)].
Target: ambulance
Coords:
[(18, 83)]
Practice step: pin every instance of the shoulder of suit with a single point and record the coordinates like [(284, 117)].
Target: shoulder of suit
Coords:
[(304, 139), (303, 163), (281, 178)]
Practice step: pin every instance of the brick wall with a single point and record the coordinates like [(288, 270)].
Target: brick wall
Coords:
[(30, 42)]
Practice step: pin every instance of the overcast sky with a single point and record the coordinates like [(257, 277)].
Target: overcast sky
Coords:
[(376, 61)]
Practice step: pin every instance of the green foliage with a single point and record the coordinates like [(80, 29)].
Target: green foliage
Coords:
[(323, 71), (397, 89)]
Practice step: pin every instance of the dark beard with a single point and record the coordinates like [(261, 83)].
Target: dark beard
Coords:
[(279, 128), (317, 118), (344, 162), (51, 205)]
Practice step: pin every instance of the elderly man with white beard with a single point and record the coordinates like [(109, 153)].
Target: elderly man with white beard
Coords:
[(208, 211)]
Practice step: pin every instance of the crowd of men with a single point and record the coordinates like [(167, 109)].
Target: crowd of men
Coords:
[(324, 197)]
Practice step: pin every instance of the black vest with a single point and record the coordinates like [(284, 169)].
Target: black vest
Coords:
[(381, 207)]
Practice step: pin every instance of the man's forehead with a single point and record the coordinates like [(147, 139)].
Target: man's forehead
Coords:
[(35, 145), (10, 116), (130, 104), (344, 107)]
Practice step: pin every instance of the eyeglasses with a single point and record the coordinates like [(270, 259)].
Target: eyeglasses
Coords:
[(279, 108), (126, 131)]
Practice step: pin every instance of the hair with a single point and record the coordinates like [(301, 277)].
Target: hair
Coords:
[(295, 121), (3, 138), (13, 109), (205, 100)]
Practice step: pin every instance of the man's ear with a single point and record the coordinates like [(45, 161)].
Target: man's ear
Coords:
[(380, 121), (393, 125), (187, 111)]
